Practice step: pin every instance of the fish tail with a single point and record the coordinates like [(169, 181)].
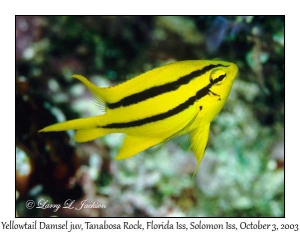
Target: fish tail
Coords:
[(85, 135), (82, 123), (87, 128)]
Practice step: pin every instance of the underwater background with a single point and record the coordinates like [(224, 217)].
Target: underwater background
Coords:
[(242, 172)]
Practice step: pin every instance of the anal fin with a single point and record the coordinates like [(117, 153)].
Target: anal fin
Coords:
[(134, 145), (199, 138)]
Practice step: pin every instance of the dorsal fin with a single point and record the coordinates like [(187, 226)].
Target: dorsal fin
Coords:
[(97, 92)]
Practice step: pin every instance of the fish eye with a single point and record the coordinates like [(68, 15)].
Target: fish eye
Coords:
[(217, 76)]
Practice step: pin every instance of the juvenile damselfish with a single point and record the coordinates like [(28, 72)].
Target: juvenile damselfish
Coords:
[(163, 103)]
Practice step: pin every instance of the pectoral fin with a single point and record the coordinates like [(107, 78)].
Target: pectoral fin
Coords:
[(199, 138), (134, 145)]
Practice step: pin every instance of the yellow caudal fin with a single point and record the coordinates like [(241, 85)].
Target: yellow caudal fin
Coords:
[(134, 145), (199, 138), (82, 123), (85, 135)]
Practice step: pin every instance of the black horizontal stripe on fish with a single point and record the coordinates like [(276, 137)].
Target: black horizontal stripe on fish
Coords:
[(158, 90), (201, 93)]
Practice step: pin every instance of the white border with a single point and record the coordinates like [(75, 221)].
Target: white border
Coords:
[(7, 91)]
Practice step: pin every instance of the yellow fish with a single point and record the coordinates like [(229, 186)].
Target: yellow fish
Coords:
[(163, 103)]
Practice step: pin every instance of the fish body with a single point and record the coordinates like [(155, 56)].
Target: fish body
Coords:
[(163, 103)]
